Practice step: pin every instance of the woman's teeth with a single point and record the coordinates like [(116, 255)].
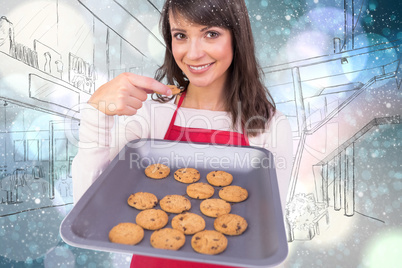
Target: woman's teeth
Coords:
[(200, 67)]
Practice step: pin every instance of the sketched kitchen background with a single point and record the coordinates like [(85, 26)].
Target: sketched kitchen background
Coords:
[(333, 68)]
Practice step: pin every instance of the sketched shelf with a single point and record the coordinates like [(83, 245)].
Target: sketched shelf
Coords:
[(31, 87)]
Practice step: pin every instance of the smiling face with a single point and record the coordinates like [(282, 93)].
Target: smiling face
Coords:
[(203, 53)]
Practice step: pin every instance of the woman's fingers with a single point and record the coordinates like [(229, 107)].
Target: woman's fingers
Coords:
[(148, 84), (125, 94), (130, 107)]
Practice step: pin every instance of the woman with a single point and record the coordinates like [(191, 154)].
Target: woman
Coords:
[(210, 53)]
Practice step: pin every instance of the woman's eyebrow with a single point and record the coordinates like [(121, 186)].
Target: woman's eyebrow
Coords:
[(182, 30), (177, 29), (205, 28)]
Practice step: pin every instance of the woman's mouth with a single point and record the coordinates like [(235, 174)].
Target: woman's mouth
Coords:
[(199, 68)]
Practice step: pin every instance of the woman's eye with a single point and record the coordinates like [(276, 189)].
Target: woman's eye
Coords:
[(212, 34), (179, 36)]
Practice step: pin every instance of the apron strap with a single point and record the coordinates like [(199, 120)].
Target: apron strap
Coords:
[(175, 114)]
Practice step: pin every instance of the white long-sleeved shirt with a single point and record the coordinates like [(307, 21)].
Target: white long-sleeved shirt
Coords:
[(102, 137)]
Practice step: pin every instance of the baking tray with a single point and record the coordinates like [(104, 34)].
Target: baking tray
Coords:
[(104, 205)]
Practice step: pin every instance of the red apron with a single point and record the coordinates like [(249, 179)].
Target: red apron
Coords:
[(177, 133)]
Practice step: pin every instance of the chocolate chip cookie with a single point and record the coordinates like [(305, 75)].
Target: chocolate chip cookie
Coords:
[(209, 242), (187, 175), (152, 219), (200, 190), (142, 200), (157, 171), (219, 178), (230, 224), (188, 223), (175, 203), (233, 193), (126, 233), (215, 207), (168, 238)]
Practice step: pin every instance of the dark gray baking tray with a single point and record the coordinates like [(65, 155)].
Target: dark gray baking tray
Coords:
[(104, 205)]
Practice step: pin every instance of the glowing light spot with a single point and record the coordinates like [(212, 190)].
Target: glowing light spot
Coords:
[(82, 259), (37, 201), (384, 250), (386, 31), (264, 3), (376, 59)]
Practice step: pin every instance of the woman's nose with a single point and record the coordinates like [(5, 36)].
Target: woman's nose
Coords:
[(194, 50)]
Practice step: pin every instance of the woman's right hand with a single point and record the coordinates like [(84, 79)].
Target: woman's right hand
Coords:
[(125, 94)]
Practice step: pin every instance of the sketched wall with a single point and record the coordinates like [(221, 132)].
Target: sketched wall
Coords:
[(332, 66), (338, 79), (53, 55)]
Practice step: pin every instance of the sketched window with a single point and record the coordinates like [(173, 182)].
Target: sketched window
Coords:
[(33, 150), (60, 149), (19, 151), (44, 150)]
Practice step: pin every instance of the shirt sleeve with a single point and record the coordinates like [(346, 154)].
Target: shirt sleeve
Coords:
[(277, 138), (93, 149)]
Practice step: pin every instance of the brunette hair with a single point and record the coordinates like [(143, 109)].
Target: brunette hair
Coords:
[(248, 100)]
